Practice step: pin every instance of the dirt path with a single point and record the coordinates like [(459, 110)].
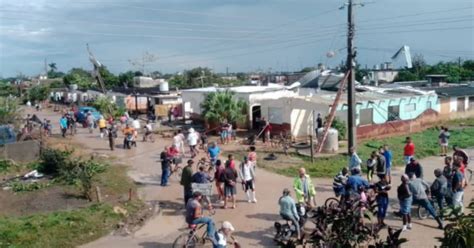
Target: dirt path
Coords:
[(253, 222)]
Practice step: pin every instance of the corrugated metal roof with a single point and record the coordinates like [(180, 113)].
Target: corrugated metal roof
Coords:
[(454, 91)]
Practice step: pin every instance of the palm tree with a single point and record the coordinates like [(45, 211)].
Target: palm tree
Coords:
[(52, 66), (223, 106)]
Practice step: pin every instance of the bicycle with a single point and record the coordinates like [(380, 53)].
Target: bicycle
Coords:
[(422, 213), (191, 239), (208, 165)]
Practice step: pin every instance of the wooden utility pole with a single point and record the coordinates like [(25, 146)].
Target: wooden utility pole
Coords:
[(351, 101), (97, 66)]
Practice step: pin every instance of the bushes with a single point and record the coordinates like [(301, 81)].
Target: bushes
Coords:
[(70, 170), (459, 233)]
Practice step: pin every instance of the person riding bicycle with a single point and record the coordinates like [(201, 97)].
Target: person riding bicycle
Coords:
[(419, 188), (219, 240), (128, 132), (213, 152), (194, 215), (339, 182), (173, 154), (288, 210)]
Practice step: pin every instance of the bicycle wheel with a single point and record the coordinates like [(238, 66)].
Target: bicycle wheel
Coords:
[(186, 240), (331, 202), (421, 212), (177, 173)]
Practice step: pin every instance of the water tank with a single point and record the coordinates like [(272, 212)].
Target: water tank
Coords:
[(164, 86), (73, 87), (331, 144)]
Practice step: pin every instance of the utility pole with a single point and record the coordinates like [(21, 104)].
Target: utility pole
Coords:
[(460, 69), (351, 101)]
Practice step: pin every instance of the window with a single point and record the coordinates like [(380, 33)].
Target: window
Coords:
[(410, 107), (428, 105), (393, 113), (471, 102), (366, 117), (275, 115)]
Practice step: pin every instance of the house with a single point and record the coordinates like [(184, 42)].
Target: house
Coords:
[(459, 98), (252, 95), (377, 109), (382, 75)]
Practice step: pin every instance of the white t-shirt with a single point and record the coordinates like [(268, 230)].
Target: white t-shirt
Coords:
[(177, 139), (221, 239), (136, 124), (193, 138), (148, 127), (247, 176)]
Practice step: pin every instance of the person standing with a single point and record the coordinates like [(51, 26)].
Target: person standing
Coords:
[(448, 174), (112, 134), (414, 167), (267, 130), (165, 166), (409, 150), (186, 180), (355, 182), (102, 126), (252, 156), (304, 188), (90, 121), (224, 132), (418, 188), (202, 177), (319, 122), (247, 176), (340, 181), (354, 161), (381, 188), (371, 163), (381, 166), (230, 181), (457, 185), (405, 199), (388, 162), (439, 187), (193, 138), (288, 210), (63, 125), (443, 140), (230, 161), (219, 178)]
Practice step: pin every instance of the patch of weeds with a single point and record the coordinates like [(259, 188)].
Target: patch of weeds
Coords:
[(27, 187), (58, 229)]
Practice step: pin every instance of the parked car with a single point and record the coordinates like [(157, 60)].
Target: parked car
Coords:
[(82, 113), (7, 135)]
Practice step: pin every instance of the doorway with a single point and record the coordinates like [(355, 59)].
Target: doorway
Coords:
[(256, 116)]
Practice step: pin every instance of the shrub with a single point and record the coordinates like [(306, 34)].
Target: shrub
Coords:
[(81, 174), (52, 160), (459, 233)]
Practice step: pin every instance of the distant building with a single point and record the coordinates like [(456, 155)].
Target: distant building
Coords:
[(436, 79), (382, 75)]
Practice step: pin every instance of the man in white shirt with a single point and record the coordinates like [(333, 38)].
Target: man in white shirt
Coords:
[(178, 141), (247, 175), (354, 161), (193, 138), (219, 239)]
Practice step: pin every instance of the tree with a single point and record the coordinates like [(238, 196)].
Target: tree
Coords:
[(52, 67), (38, 93), (10, 112), (221, 106), (307, 69), (126, 78), (105, 105), (53, 73), (82, 78), (110, 80), (7, 89)]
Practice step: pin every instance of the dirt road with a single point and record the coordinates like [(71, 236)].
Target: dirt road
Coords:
[(253, 222)]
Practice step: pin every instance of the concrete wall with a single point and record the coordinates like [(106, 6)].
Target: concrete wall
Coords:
[(23, 151)]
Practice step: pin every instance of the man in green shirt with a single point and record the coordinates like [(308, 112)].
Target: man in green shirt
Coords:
[(304, 188), (288, 210), (186, 181)]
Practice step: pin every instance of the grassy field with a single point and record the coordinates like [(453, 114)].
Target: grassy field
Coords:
[(426, 143)]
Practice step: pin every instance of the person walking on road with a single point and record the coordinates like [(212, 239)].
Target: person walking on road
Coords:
[(414, 167), (354, 161), (409, 150), (288, 210), (213, 152), (165, 167), (193, 139), (304, 188), (247, 176), (90, 121), (418, 188), (63, 125), (112, 134), (102, 127), (186, 180), (252, 156), (405, 199), (230, 181)]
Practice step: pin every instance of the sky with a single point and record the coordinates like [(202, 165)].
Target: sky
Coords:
[(233, 35)]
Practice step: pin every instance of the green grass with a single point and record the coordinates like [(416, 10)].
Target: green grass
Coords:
[(426, 143), (58, 229)]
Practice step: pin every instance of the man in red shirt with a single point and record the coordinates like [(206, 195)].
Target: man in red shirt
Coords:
[(409, 150)]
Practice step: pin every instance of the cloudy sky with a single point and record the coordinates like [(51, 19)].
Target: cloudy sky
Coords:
[(243, 35)]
